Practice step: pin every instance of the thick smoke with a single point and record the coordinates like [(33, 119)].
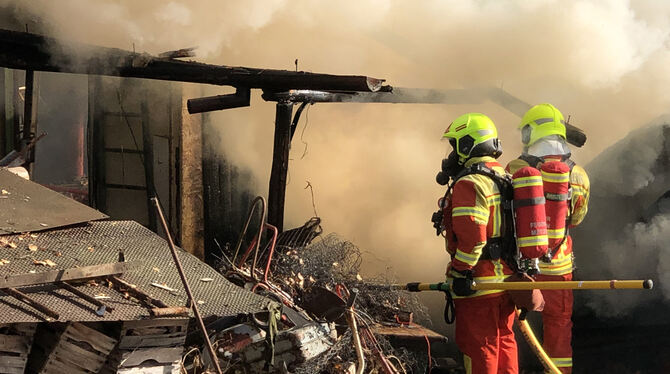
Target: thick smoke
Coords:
[(372, 166), (630, 214)]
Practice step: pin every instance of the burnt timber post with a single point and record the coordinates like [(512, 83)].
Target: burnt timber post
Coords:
[(282, 142), (28, 106), (191, 209), (148, 160), (3, 113)]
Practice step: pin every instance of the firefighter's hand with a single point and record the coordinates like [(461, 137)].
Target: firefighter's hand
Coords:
[(462, 283)]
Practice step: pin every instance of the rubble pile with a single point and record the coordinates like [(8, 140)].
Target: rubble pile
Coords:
[(332, 261), (331, 319)]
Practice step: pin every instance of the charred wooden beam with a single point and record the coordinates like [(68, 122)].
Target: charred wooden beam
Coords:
[(25, 51), (241, 98), (16, 109), (282, 142), (28, 106), (147, 157), (97, 172), (4, 112)]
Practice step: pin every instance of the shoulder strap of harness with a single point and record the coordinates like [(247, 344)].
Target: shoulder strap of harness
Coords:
[(482, 169), (535, 161), (531, 160), (504, 247), (551, 254)]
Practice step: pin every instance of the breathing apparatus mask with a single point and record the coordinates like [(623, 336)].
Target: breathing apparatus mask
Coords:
[(449, 169)]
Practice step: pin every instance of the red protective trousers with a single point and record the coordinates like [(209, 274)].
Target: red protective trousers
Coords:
[(484, 334), (557, 321)]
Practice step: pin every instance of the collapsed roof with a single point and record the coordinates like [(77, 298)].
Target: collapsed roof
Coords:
[(45, 231), (96, 243)]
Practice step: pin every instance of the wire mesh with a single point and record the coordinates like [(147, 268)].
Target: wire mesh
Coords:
[(332, 261)]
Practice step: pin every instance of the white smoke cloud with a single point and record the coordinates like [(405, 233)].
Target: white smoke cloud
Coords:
[(152, 25), (604, 63)]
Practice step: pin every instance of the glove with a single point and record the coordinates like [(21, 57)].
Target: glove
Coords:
[(462, 283), (436, 219)]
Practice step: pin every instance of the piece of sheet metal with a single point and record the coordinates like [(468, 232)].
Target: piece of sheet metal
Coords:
[(324, 305), (27, 206)]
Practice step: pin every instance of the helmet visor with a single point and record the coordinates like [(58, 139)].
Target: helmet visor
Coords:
[(526, 131)]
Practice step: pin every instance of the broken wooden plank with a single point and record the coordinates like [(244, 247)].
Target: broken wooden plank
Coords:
[(178, 323), (153, 333), (413, 331), (174, 311), (163, 355), (72, 274), (74, 348), (133, 291), (173, 368), (98, 341), (16, 341), (148, 346), (170, 340)]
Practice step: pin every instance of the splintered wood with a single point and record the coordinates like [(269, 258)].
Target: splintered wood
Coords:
[(69, 348), (15, 342), (155, 346)]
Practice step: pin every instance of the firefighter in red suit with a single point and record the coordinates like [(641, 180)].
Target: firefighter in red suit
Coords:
[(543, 136), (472, 222)]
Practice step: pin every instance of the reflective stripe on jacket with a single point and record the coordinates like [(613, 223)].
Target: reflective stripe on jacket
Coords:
[(562, 263), (477, 216)]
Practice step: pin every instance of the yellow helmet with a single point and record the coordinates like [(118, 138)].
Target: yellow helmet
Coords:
[(540, 121), (473, 134)]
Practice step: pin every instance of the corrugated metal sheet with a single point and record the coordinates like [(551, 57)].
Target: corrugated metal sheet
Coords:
[(100, 242)]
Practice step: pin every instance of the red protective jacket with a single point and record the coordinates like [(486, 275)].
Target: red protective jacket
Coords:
[(476, 217)]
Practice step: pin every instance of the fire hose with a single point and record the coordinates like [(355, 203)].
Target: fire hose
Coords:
[(525, 328), (535, 345)]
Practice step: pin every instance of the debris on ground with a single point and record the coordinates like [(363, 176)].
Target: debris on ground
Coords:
[(331, 319)]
